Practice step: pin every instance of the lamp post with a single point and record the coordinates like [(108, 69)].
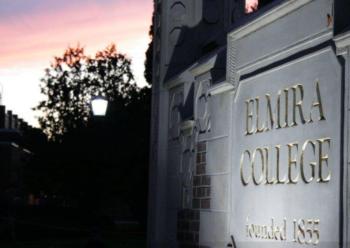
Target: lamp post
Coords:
[(99, 106)]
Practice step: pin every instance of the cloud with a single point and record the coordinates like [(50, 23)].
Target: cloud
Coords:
[(33, 31), (89, 24)]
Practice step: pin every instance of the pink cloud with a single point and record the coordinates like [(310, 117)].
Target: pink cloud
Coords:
[(251, 6), (40, 37)]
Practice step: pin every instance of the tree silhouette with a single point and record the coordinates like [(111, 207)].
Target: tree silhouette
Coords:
[(74, 78), (149, 53), (99, 165)]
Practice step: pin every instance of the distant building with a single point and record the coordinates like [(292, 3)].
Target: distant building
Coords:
[(16, 139), (13, 153)]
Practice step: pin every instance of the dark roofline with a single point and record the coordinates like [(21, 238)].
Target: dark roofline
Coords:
[(200, 61), (250, 17)]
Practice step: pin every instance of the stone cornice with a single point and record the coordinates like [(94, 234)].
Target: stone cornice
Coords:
[(203, 67), (268, 17), (342, 43), (221, 88)]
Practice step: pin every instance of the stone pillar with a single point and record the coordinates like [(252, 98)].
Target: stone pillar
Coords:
[(342, 44), (158, 169), (157, 216)]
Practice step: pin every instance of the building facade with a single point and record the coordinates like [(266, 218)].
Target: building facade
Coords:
[(213, 65)]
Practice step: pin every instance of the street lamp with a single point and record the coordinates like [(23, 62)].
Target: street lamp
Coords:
[(99, 106)]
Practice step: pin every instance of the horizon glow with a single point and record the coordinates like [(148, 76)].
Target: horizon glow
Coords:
[(34, 31)]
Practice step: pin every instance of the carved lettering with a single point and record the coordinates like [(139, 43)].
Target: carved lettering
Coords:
[(249, 120), (243, 179), (256, 165), (323, 159), (317, 103), (292, 163), (298, 105), (259, 123), (312, 164)]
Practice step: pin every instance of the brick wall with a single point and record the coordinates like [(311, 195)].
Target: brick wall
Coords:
[(188, 228), (188, 220), (201, 182)]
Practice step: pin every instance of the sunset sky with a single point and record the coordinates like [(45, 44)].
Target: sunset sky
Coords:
[(33, 31)]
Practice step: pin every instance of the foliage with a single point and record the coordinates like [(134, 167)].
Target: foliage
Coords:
[(149, 53), (100, 169), (100, 165), (73, 79)]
